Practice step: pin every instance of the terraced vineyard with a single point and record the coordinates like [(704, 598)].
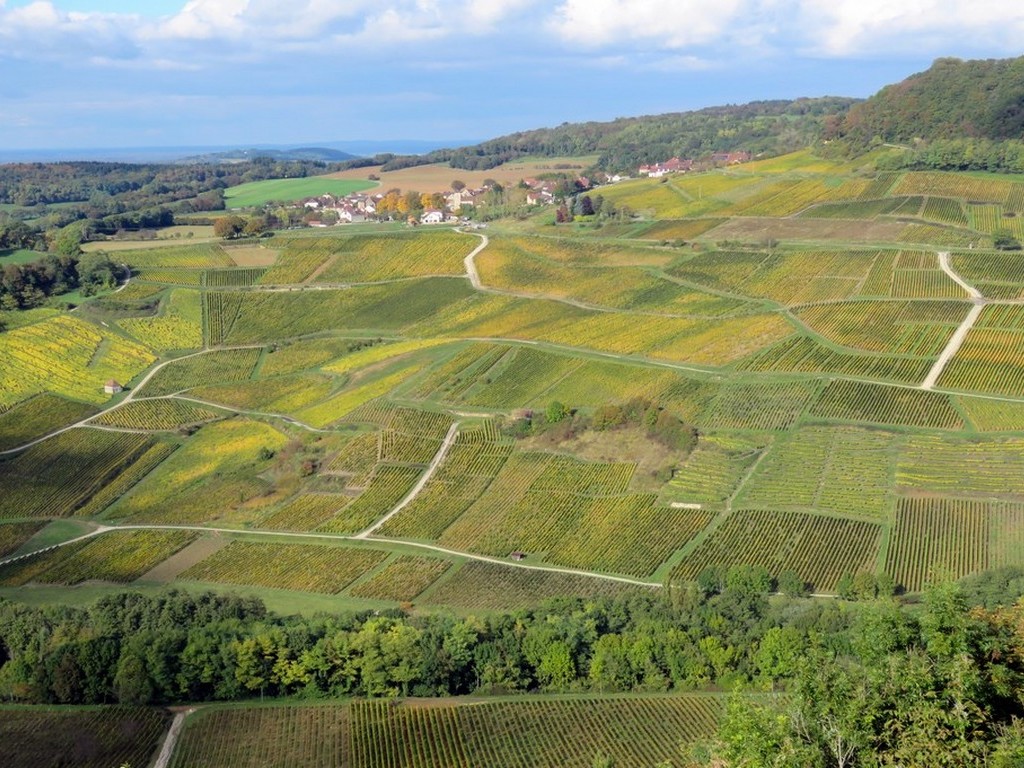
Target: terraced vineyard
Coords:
[(96, 737), (382, 734), (788, 541), (337, 371)]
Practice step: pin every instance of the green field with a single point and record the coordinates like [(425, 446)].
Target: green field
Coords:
[(257, 193)]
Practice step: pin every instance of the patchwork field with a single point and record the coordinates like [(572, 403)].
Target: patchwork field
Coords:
[(776, 322)]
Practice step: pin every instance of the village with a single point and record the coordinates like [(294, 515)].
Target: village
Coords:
[(460, 203)]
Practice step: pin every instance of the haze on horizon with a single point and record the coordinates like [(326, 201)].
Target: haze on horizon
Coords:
[(101, 73)]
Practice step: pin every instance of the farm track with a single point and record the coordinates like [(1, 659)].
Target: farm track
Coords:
[(446, 444), (957, 340), (167, 748)]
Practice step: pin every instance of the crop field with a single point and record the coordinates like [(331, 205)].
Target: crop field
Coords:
[(255, 193), (304, 567), (802, 354), (389, 485), (898, 406), (232, 278), (713, 470), (55, 477), (954, 185), (121, 483), (299, 259), (940, 236), (179, 326), (979, 468), (678, 229), (993, 415), (220, 310), (84, 737), (264, 317), (655, 200), (990, 360), (66, 356), (858, 209), (305, 512), (279, 394), (348, 400), (197, 256), (39, 416), (842, 471), (781, 541), (767, 406), (574, 514), (945, 210), (542, 733), (482, 586), (915, 328), (254, 737), (403, 579), (13, 535), (465, 474), (369, 258), (119, 556), (186, 278), (214, 471), (510, 266), (228, 365), (996, 275), (162, 414)]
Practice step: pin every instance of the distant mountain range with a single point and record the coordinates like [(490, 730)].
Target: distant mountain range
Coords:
[(330, 152)]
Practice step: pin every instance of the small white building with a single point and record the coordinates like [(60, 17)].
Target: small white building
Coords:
[(432, 216), (112, 387)]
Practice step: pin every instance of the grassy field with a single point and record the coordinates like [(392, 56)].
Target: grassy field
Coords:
[(257, 193)]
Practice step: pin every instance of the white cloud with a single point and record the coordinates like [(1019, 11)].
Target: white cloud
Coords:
[(869, 26), (665, 23)]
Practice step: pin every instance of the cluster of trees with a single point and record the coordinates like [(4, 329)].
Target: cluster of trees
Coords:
[(954, 105), (23, 286), (875, 682), (659, 423), (958, 154)]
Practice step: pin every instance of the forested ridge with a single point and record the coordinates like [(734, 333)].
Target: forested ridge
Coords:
[(868, 682), (771, 127)]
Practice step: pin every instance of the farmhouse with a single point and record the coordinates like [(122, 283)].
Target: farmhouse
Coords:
[(432, 216)]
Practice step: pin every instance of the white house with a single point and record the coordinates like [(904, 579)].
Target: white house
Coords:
[(432, 216)]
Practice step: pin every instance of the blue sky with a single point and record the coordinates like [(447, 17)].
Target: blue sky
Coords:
[(103, 73)]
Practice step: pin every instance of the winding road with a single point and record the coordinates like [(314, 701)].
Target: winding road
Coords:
[(957, 340)]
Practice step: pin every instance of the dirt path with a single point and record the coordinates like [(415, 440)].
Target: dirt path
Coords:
[(446, 444), (470, 260), (164, 759), (356, 537), (957, 340)]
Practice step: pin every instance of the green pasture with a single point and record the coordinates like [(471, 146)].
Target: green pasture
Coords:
[(257, 193)]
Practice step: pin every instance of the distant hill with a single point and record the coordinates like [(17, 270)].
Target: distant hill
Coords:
[(312, 154), (953, 99), (771, 127)]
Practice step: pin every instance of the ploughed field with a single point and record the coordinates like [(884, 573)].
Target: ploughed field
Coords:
[(346, 420)]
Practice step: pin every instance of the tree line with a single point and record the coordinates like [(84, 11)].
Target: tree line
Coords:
[(869, 682)]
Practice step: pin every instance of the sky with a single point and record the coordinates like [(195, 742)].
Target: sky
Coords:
[(105, 73)]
